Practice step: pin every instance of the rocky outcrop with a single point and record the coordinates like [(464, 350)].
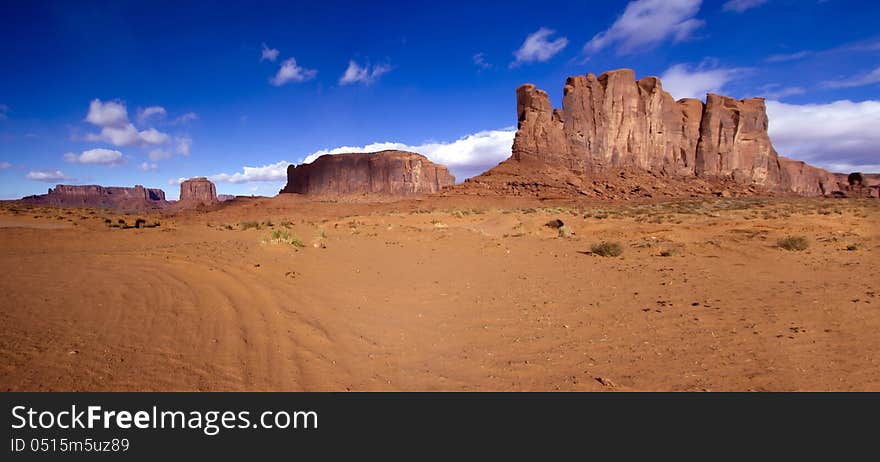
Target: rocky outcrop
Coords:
[(123, 198), (614, 122), (397, 173), (197, 191)]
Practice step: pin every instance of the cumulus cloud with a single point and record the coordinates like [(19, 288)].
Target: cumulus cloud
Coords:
[(5, 165), (684, 81), (148, 167), (841, 136), (109, 114), (95, 156), (740, 6), (269, 54), (151, 111), (465, 157), (116, 129), (183, 144), (291, 72), (355, 73), (48, 176), (861, 80), (273, 172), (646, 23), (538, 47)]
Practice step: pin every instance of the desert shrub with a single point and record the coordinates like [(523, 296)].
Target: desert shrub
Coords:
[(564, 231), (250, 225), (282, 236), (667, 253), (139, 223), (853, 247), (607, 249), (793, 243)]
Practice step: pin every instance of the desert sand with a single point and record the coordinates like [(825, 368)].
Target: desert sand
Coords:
[(442, 293)]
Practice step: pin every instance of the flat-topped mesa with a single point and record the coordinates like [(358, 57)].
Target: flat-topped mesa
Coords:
[(197, 191), (115, 197), (394, 173), (614, 121)]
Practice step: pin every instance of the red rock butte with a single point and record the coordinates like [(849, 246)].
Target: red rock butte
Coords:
[(395, 173), (114, 197), (615, 123), (197, 191)]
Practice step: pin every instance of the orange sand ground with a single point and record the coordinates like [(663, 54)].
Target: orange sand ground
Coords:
[(443, 294)]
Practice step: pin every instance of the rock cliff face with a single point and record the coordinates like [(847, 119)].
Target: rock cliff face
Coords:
[(195, 191), (397, 173), (614, 122), (136, 198)]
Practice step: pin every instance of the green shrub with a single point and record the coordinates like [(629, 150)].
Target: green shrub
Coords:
[(282, 236), (249, 225)]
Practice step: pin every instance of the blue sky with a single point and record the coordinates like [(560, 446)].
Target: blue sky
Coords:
[(124, 93)]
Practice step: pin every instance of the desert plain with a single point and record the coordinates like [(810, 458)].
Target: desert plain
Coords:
[(443, 293)]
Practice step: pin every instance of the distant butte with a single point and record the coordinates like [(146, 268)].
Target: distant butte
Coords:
[(111, 197), (393, 173)]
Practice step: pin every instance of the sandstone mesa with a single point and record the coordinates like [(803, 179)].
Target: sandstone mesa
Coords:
[(614, 124), (396, 173)]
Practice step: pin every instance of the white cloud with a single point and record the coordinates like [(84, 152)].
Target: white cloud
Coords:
[(465, 157), (189, 116), (742, 5), (778, 92), (151, 111), (153, 136), (95, 156), (354, 73), (683, 81), (269, 54), (538, 48), (869, 78), (183, 144), (4, 110), (274, 172), (112, 117), (840, 136), (128, 136), (646, 23), (147, 167), (5, 165), (781, 58), (49, 176), (291, 72), (480, 61), (159, 154), (109, 114)]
